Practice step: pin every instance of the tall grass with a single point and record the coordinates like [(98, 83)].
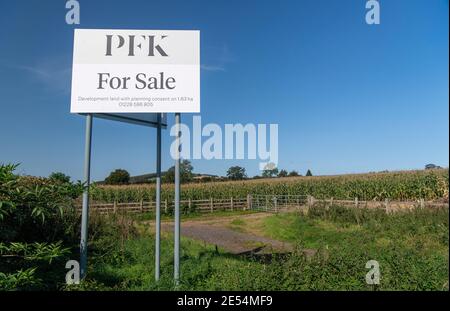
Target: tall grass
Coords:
[(408, 185), (411, 247)]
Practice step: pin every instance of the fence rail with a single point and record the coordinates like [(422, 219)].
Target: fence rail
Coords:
[(263, 203), (202, 206), (278, 203)]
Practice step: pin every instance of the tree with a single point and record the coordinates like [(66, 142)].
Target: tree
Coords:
[(283, 173), (270, 172), (118, 177), (236, 173), (308, 173), (186, 175), (59, 177), (293, 174)]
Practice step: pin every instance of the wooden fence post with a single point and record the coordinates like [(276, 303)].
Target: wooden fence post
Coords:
[(190, 204), (356, 202), (166, 206), (115, 206), (310, 201), (275, 204), (211, 204), (142, 206), (386, 202), (422, 203), (232, 204)]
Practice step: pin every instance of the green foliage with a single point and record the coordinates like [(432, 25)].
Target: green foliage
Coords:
[(401, 186), (37, 219), (410, 246), (293, 174), (270, 172), (236, 173), (308, 173), (39, 230), (8, 183), (59, 177), (22, 279), (186, 174), (118, 177), (283, 173)]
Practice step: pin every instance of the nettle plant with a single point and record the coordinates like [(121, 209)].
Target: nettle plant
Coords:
[(37, 223)]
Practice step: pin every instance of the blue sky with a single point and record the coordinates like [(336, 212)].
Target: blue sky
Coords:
[(348, 97)]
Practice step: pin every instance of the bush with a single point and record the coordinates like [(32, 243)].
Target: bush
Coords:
[(283, 173), (293, 174), (59, 177), (186, 174), (236, 173), (118, 177), (38, 228)]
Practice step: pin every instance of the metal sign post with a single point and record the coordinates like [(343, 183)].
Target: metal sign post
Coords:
[(176, 270), (158, 198), (117, 75), (85, 211)]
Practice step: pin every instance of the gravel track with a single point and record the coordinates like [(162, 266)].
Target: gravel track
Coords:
[(215, 232)]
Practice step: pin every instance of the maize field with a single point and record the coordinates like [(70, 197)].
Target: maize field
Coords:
[(399, 186)]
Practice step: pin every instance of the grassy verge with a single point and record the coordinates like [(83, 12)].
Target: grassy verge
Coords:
[(150, 216), (411, 247)]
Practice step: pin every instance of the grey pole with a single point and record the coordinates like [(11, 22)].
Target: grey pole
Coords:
[(177, 202), (85, 211), (158, 198)]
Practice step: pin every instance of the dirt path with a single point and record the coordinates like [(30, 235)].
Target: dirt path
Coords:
[(217, 231)]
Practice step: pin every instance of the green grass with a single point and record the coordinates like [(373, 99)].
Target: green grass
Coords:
[(189, 216), (426, 230), (237, 224), (411, 247)]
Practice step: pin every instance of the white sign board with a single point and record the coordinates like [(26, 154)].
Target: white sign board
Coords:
[(135, 71)]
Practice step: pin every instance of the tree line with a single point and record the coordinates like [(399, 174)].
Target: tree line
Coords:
[(122, 177)]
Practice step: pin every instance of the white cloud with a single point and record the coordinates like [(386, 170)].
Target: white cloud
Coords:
[(54, 75), (212, 68), (216, 58)]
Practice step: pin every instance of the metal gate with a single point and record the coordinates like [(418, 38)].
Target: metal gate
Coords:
[(278, 203)]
